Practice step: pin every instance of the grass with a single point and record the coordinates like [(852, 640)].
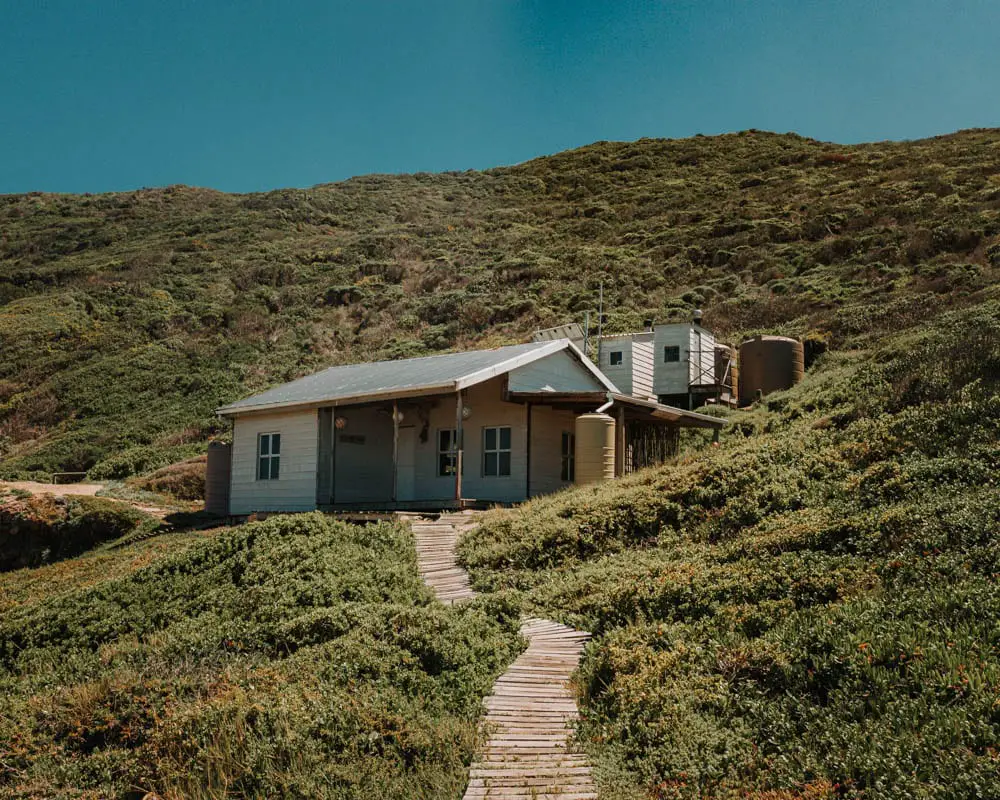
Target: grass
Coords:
[(295, 657), (808, 610), (126, 318)]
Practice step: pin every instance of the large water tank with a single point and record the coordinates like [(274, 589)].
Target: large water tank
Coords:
[(769, 364), (217, 472), (595, 448)]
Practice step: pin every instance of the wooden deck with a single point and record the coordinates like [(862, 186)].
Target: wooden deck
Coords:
[(529, 719)]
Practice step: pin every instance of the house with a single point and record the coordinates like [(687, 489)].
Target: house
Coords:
[(486, 426)]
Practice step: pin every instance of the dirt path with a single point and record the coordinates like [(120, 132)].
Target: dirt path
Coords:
[(79, 490), (530, 715), (58, 489)]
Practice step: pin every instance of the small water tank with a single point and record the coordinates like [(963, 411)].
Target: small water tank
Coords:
[(769, 364), (217, 472), (595, 448)]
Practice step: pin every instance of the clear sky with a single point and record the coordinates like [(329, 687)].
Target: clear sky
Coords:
[(246, 95)]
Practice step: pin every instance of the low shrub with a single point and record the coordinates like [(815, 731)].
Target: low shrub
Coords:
[(40, 530)]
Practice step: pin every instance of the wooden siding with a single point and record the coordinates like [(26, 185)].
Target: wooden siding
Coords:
[(295, 487), (642, 370), (547, 427), (559, 372)]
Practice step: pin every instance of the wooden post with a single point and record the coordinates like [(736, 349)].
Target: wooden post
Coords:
[(459, 445), (527, 454), (333, 458), (395, 448), (620, 442)]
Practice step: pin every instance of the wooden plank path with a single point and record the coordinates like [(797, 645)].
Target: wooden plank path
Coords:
[(530, 715)]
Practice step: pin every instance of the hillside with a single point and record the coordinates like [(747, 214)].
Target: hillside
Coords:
[(296, 657), (809, 611), (126, 318)]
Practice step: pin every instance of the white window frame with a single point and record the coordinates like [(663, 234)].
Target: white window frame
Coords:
[(273, 459), (498, 451)]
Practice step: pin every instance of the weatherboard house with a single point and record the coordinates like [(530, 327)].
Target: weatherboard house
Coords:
[(443, 431)]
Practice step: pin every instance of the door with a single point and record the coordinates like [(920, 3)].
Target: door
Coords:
[(406, 466)]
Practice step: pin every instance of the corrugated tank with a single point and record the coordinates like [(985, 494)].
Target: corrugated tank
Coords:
[(595, 448), (769, 364), (217, 472)]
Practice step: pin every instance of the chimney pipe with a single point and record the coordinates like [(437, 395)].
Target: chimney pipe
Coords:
[(649, 325), (697, 316)]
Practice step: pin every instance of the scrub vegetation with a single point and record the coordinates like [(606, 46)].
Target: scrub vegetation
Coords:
[(126, 318), (808, 610), (295, 657)]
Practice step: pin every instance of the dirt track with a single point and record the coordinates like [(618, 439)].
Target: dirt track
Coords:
[(64, 489)]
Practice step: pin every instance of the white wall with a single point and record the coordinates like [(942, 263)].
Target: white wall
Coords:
[(671, 378), (620, 374), (295, 487), (559, 372)]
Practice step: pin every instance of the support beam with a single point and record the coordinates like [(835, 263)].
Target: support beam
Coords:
[(395, 448), (620, 442), (527, 454), (459, 445)]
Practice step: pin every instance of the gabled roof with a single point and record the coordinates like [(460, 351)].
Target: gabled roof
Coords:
[(386, 380)]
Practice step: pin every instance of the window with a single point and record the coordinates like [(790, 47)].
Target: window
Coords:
[(268, 456), (496, 451), (568, 457), (447, 452), (615, 358), (671, 354)]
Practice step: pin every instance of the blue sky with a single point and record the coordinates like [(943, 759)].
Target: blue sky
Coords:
[(248, 95)]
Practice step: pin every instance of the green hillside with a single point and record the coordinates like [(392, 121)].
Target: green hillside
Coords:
[(808, 611), (126, 318)]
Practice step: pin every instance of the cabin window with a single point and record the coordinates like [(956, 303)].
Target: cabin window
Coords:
[(568, 457), (615, 358), (671, 354), (268, 456), (447, 452), (496, 451)]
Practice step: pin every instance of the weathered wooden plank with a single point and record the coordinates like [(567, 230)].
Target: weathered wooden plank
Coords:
[(528, 752)]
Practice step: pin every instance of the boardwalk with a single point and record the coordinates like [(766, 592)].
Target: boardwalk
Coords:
[(530, 715)]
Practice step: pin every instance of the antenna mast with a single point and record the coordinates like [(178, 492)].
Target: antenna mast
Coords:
[(600, 322)]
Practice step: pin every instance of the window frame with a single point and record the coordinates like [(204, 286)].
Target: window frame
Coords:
[(499, 451), (272, 458), (450, 453), (675, 350), (611, 358), (567, 457)]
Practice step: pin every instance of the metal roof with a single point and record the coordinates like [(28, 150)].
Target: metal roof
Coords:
[(448, 372)]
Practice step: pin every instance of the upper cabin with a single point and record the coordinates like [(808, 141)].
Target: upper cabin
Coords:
[(679, 364)]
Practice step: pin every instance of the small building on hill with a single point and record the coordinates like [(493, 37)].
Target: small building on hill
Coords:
[(444, 431)]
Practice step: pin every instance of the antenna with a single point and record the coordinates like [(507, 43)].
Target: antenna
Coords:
[(600, 322)]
